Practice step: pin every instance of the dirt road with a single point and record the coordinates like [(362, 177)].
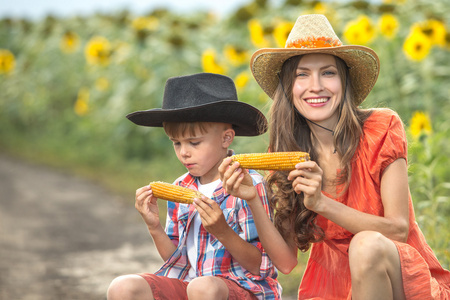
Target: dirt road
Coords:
[(62, 237)]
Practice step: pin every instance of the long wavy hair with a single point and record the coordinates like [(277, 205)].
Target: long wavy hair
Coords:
[(289, 131)]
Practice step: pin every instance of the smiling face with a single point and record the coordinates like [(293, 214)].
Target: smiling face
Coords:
[(202, 149), (317, 89)]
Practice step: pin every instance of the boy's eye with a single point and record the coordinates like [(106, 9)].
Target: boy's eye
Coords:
[(195, 143)]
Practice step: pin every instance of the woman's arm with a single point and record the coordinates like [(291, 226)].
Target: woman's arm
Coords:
[(394, 192)]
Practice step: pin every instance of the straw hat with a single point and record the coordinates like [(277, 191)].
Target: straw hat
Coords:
[(203, 97), (314, 34)]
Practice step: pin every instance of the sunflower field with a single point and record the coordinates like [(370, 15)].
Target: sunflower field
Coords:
[(66, 85)]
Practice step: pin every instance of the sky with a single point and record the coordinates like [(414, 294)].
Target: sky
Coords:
[(36, 9)]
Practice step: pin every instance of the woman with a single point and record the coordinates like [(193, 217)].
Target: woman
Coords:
[(351, 203)]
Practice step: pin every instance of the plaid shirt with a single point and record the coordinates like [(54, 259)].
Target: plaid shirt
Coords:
[(212, 257)]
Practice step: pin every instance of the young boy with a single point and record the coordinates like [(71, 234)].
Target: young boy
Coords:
[(210, 248)]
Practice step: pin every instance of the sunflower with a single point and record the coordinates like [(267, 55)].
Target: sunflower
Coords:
[(435, 31), (81, 106), (235, 55), (209, 63), (417, 45), (447, 41), (102, 84), (394, 1), (149, 23), (320, 8), (420, 124), (360, 31), (241, 80), (388, 24), (281, 33), (70, 42), (98, 51), (7, 61), (257, 35)]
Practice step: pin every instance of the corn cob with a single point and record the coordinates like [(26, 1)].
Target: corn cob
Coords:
[(278, 161), (175, 193)]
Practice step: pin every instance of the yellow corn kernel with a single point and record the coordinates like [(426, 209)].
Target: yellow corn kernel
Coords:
[(175, 193), (277, 161)]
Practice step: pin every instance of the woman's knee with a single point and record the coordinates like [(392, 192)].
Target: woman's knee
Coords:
[(129, 287), (368, 251), (207, 287)]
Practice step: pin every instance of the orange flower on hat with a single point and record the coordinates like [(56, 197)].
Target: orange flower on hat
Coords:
[(313, 42)]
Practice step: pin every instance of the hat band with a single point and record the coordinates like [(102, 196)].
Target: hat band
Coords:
[(314, 42)]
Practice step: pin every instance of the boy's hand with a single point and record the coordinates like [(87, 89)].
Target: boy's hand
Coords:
[(236, 181), (211, 215), (147, 206)]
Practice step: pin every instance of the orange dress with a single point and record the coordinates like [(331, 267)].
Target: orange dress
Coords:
[(327, 275)]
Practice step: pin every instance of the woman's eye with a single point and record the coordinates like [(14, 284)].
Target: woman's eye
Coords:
[(329, 73)]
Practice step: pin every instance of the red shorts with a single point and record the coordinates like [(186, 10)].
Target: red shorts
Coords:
[(171, 288)]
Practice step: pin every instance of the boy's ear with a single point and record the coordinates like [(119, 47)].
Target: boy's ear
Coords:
[(228, 137)]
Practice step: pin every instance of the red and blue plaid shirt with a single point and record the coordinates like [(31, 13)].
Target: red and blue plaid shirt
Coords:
[(212, 257)]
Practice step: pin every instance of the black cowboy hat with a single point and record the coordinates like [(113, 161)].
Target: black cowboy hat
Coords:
[(203, 97)]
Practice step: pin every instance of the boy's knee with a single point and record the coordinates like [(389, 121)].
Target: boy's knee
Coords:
[(207, 287), (128, 287)]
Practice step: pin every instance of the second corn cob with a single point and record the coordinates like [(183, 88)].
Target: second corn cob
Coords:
[(175, 193), (277, 161)]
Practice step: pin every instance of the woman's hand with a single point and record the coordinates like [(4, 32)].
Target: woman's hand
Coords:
[(147, 206), (236, 181), (307, 179)]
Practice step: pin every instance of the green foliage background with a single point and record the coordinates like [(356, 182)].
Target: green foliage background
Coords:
[(38, 120)]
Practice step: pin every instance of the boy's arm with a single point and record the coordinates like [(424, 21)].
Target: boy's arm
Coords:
[(163, 243), (246, 254), (147, 206)]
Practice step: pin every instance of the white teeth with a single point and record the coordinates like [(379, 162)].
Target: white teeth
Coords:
[(319, 100)]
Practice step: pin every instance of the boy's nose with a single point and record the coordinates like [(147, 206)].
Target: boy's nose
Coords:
[(184, 151)]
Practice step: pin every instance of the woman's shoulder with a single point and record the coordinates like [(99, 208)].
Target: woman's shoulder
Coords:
[(383, 126), (382, 119), (381, 114)]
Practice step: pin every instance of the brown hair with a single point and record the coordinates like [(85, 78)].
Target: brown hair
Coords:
[(289, 131), (177, 129)]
